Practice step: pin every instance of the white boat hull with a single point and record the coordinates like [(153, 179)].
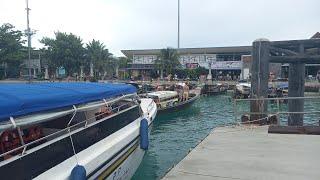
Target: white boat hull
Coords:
[(116, 157)]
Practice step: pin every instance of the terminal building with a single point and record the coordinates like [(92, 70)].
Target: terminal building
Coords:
[(225, 61), (233, 62)]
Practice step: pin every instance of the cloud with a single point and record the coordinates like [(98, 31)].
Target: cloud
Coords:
[(143, 24)]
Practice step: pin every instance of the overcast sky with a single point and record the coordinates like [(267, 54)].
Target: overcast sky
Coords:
[(144, 24)]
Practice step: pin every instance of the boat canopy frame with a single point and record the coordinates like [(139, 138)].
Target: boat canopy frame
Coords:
[(13, 123), (68, 130)]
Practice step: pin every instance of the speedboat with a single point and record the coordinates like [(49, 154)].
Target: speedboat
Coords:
[(72, 130), (242, 90), (214, 89), (170, 100)]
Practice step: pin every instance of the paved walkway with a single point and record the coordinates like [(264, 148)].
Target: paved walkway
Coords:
[(251, 154)]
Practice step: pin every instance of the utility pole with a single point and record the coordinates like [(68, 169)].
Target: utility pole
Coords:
[(178, 24), (28, 33)]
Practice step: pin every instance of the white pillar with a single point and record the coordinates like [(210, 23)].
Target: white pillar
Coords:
[(46, 72), (117, 71), (34, 72), (209, 77), (81, 72), (91, 70)]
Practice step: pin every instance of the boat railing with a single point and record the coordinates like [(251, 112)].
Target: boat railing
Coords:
[(275, 111), (69, 128), (39, 118)]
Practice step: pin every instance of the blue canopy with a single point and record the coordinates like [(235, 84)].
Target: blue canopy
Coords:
[(21, 99)]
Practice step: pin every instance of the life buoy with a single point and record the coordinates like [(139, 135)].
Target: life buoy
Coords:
[(16, 140), (38, 132), (9, 140), (32, 135), (5, 141)]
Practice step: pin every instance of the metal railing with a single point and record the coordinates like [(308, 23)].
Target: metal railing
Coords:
[(39, 118), (71, 128), (278, 101)]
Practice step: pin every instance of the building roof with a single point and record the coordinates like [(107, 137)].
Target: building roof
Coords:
[(316, 36), (201, 50)]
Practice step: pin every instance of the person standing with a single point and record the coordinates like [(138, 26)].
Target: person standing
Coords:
[(185, 92)]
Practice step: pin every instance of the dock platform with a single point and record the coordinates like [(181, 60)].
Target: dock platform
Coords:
[(251, 154)]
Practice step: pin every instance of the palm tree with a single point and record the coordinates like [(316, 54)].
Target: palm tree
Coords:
[(168, 60), (98, 55)]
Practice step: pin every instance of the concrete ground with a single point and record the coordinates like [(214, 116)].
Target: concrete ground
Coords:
[(251, 154)]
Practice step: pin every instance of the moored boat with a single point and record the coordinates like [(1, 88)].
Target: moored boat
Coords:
[(142, 87), (242, 90), (64, 130), (214, 89), (170, 100)]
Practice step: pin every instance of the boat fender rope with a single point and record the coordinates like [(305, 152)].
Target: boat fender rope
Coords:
[(13, 122), (105, 101), (73, 115), (78, 173), (69, 132), (144, 134)]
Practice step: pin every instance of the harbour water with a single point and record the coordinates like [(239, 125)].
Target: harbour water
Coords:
[(174, 134)]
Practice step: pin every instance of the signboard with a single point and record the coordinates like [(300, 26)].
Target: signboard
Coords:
[(192, 65), (61, 71), (226, 65), (144, 59), (202, 60), (193, 61)]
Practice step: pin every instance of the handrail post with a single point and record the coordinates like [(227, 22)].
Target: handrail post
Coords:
[(278, 109), (235, 110), (20, 136)]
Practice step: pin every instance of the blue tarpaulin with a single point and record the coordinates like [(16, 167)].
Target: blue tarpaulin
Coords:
[(18, 99)]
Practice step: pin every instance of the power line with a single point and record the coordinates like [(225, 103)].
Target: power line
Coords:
[(178, 24)]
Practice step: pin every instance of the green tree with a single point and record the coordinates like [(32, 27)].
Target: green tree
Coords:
[(123, 62), (98, 55), (112, 66), (64, 50), (11, 49), (168, 61)]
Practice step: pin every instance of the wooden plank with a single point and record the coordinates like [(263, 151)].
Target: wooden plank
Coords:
[(283, 51), (308, 59), (306, 42), (237, 153), (315, 130)]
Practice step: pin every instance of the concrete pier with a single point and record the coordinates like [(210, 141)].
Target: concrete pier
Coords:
[(251, 154)]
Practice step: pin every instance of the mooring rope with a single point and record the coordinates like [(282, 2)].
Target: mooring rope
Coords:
[(69, 132)]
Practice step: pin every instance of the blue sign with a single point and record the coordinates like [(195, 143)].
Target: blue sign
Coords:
[(61, 71)]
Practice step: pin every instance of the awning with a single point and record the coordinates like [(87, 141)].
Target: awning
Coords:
[(17, 99)]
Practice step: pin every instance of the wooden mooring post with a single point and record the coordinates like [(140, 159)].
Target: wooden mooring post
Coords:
[(296, 89), (259, 79), (295, 52)]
